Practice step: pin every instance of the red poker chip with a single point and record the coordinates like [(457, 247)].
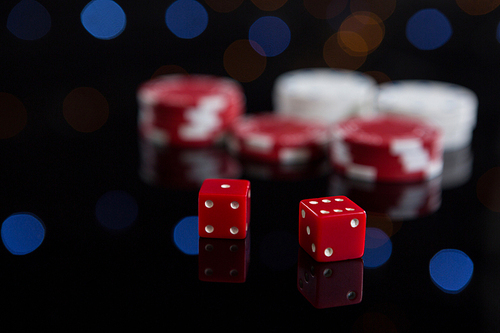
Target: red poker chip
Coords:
[(191, 110), (387, 147), (273, 138), (171, 135)]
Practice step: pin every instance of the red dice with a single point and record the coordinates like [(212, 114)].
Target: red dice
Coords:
[(332, 228), (224, 208)]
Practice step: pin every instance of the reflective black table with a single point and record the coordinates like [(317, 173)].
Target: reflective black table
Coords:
[(99, 228)]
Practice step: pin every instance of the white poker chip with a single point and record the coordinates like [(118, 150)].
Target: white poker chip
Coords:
[(451, 107), (324, 95)]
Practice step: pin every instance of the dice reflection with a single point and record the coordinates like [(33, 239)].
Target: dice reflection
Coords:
[(223, 260), (330, 284)]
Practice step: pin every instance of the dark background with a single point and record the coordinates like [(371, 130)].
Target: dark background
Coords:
[(85, 276)]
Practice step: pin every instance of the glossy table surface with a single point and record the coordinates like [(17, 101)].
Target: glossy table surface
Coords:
[(118, 250)]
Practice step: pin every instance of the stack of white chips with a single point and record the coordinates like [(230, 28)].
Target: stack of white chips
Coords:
[(324, 95), (451, 107)]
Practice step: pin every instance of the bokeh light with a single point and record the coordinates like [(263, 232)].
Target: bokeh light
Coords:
[(478, 7), (336, 57), (378, 248), (380, 77), (498, 32), (382, 8), (29, 20), (13, 117), (223, 6), (85, 109), (22, 233), (186, 18), (428, 29), (269, 5), (169, 69), (361, 33), (116, 210), (271, 34), (103, 19), (186, 235), (325, 9), (451, 270), (488, 189), (352, 43), (242, 62), (380, 221)]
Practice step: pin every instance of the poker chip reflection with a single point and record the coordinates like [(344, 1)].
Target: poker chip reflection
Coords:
[(268, 171), (184, 169), (401, 202), (457, 167)]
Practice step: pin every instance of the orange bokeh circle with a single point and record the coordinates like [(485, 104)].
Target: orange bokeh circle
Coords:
[(269, 5), (361, 33), (242, 62), (85, 109), (13, 115), (381, 8), (488, 189), (335, 55), (477, 7), (380, 77)]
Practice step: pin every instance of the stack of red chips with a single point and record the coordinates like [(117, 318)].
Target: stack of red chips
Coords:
[(281, 139), (387, 147), (188, 110)]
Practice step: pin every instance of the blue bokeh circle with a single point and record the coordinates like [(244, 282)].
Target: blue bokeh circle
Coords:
[(271, 34), (428, 29), (22, 233), (103, 19), (186, 19)]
